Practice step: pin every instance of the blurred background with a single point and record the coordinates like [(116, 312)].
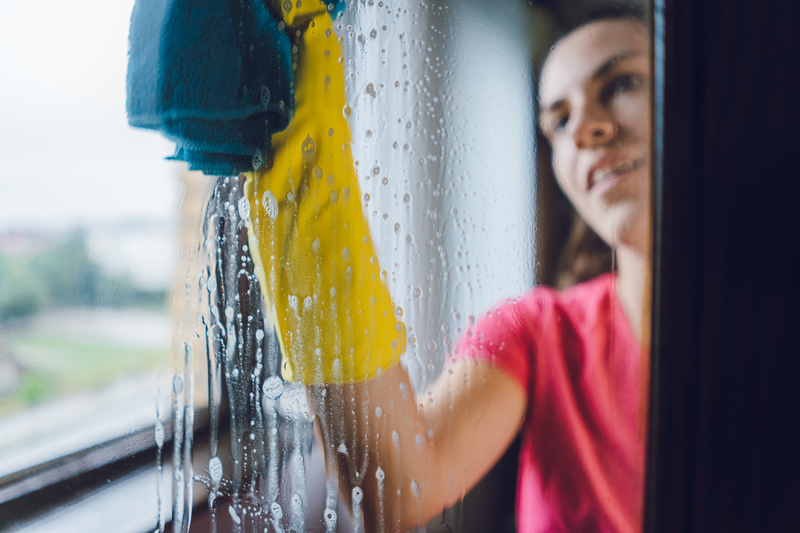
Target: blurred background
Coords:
[(97, 232), (87, 208)]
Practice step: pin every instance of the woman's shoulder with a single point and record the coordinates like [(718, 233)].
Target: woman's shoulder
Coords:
[(515, 328), (593, 292), (540, 307), (544, 299)]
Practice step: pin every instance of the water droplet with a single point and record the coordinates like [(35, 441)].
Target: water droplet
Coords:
[(346, 111), (346, 255), (258, 159), (398, 312), (308, 146), (378, 411), (270, 204), (177, 384), (307, 302), (397, 227), (293, 301), (281, 25), (264, 96), (414, 488), (330, 132), (373, 33), (232, 511), (334, 197), (432, 345), (417, 292), (259, 335), (276, 510), (358, 494), (330, 518), (385, 181), (215, 470), (287, 5), (244, 208), (273, 387), (158, 434), (317, 172), (376, 170), (367, 197), (315, 245), (395, 438), (380, 474)]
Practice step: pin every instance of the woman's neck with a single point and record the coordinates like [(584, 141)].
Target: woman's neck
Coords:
[(632, 266)]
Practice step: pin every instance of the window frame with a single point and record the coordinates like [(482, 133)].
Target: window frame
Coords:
[(724, 425)]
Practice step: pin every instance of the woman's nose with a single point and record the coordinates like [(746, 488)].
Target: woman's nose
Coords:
[(593, 127)]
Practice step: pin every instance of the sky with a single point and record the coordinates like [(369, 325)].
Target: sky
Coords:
[(67, 154)]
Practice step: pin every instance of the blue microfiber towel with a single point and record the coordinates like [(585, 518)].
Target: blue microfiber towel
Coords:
[(212, 75)]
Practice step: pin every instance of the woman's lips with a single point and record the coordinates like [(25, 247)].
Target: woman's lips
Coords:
[(605, 170)]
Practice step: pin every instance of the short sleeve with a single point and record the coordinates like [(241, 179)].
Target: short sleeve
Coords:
[(503, 338)]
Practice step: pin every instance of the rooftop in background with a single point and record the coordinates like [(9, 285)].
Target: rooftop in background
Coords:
[(143, 251)]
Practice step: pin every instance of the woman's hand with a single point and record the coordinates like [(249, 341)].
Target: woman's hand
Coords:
[(430, 449)]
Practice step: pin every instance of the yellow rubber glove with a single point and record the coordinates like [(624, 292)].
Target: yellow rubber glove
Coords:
[(309, 237)]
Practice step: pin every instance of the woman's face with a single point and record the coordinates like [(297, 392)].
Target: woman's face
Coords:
[(595, 110)]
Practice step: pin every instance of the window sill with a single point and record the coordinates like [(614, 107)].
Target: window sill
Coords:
[(84, 458)]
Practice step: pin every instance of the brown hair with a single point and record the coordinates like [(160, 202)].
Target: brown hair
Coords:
[(584, 256)]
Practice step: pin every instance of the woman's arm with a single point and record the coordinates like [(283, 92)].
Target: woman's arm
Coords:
[(430, 449)]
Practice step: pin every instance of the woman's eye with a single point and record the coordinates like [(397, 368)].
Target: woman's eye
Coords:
[(558, 124), (623, 84), (620, 84)]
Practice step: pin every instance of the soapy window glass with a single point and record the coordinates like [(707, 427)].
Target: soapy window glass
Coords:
[(450, 175)]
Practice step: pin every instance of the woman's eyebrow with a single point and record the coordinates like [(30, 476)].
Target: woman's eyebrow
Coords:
[(552, 106), (609, 64)]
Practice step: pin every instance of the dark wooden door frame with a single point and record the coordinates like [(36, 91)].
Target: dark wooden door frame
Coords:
[(724, 435)]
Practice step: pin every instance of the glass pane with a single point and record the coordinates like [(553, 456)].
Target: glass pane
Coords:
[(374, 196), (87, 255)]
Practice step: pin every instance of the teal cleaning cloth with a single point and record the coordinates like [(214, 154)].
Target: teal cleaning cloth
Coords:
[(214, 76)]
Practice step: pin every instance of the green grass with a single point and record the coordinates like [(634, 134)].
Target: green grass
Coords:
[(58, 366)]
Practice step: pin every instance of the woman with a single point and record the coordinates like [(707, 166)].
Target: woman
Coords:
[(562, 368)]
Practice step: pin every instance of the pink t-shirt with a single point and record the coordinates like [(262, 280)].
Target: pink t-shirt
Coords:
[(582, 460)]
